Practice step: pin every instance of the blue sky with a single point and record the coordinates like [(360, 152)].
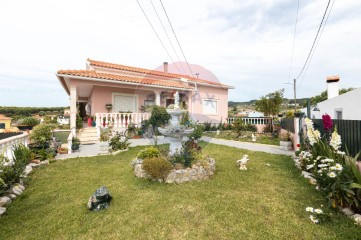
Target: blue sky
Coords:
[(246, 44)]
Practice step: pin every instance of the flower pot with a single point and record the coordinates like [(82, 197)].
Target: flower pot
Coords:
[(75, 147), (94, 123), (62, 150), (90, 122), (299, 114)]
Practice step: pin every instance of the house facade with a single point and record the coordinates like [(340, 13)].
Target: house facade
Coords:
[(345, 106), (5, 122), (117, 94)]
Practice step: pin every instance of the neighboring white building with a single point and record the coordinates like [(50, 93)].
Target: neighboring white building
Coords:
[(345, 106), (63, 120), (250, 114)]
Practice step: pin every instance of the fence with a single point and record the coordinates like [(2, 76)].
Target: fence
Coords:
[(251, 120), (349, 130), (120, 120), (288, 124)]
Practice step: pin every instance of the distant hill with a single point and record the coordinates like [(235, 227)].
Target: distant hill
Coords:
[(253, 102)]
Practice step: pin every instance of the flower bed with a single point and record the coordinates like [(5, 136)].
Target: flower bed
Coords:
[(335, 173)]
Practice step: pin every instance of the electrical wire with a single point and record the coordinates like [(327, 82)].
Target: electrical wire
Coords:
[(157, 34), (304, 74), (161, 22), (293, 43), (308, 57), (176, 38)]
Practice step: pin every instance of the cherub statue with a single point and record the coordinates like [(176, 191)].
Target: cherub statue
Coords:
[(242, 162)]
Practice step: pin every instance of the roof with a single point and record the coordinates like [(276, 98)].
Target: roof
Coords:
[(3, 117), (150, 72), (122, 78)]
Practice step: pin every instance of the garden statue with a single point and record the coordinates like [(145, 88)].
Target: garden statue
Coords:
[(99, 200), (176, 100), (254, 138), (242, 162)]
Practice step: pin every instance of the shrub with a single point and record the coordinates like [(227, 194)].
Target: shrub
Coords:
[(105, 134), (159, 116), (149, 152), (41, 133), (157, 167), (251, 128), (118, 142), (29, 121), (197, 133), (185, 119), (239, 126), (207, 126)]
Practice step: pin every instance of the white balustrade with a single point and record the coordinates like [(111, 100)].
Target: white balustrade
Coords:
[(7, 144), (251, 120), (120, 120)]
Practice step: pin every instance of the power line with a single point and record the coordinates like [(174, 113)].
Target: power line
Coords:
[(167, 36), (176, 38), (318, 40), (314, 40), (293, 43), (156, 34)]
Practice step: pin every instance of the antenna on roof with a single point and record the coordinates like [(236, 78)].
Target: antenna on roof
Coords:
[(197, 74)]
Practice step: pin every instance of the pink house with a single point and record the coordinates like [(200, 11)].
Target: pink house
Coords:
[(115, 93)]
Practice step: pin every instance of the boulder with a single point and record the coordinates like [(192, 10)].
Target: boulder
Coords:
[(99, 200), (16, 190), (357, 218), (28, 170), (4, 201), (21, 187), (347, 211), (36, 161)]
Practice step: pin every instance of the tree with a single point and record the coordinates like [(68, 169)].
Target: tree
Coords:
[(271, 103)]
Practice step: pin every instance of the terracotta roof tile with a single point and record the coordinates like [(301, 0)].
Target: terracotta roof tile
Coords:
[(122, 78), (150, 72)]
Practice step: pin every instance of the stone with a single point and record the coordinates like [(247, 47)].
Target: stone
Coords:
[(36, 161), (16, 190), (99, 200), (306, 174), (12, 196), (21, 187), (5, 201), (34, 165), (2, 210), (357, 218), (27, 170), (347, 211), (46, 162)]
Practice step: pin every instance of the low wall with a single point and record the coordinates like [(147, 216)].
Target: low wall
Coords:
[(7, 144), (198, 172)]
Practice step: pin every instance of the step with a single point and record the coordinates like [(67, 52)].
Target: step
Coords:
[(87, 135)]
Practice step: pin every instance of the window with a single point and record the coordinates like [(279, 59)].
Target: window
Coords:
[(210, 106), (149, 103), (124, 102), (338, 114)]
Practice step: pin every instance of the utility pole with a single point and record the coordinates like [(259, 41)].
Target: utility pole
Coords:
[(294, 91)]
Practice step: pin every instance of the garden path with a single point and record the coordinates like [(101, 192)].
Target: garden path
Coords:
[(249, 146), (94, 149)]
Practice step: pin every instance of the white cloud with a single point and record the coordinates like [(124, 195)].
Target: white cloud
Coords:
[(244, 43)]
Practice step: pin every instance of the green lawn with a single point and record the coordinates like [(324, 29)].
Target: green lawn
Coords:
[(265, 202), (62, 136), (265, 138)]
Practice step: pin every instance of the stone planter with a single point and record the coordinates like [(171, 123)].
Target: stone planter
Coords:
[(119, 151), (286, 145), (198, 172)]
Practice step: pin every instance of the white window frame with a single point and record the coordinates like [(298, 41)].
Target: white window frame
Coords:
[(126, 95), (210, 99)]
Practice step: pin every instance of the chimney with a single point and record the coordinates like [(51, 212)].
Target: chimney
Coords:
[(332, 86), (165, 67)]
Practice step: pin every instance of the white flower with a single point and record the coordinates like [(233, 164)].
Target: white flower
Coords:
[(313, 219), (309, 123), (310, 166), (338, 167), (331, 174), (309, 209), (319, 171), (313, 136), (341, 153), (318, 158), (322, 165), (318, 211), (122, 139), (335, 141), (333, 168)]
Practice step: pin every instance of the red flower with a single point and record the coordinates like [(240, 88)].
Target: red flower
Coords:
[(298, 145), (327, 122)]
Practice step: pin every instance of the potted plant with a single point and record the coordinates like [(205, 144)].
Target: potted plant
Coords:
[(27, 123), (75, 142), (41, 135), (299, 114), (94, 123), (62, 150), (109, 106)]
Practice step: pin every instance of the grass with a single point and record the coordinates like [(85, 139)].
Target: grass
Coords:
[(62, 136), (265, 138), (264, 202)]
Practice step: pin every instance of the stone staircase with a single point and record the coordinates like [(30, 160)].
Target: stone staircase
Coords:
[(88, 135)]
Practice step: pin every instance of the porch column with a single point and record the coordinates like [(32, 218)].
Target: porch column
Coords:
[(157, 97), (73, 110)]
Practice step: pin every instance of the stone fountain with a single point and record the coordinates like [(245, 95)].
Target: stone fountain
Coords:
[(174, 131)]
